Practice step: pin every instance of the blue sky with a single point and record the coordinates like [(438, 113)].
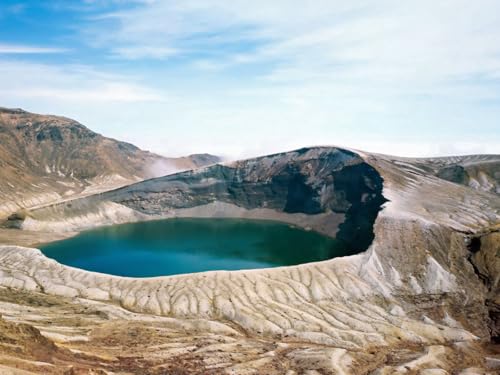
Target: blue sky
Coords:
[(242, 78)]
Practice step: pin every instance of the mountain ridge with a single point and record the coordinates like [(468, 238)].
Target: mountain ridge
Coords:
[(46, 157)]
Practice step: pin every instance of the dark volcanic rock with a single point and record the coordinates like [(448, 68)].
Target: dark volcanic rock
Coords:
[(454, 173)]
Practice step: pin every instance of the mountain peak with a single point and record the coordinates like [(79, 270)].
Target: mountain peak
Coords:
[(12, 110)]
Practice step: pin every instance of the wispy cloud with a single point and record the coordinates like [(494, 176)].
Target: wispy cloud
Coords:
[(72, 83), (383, 42), (17, 49), (139, 52)]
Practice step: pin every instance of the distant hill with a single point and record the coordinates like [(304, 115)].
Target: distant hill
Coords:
[(44, 158)]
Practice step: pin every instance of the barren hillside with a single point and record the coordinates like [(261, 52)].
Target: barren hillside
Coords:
[(47, 158)]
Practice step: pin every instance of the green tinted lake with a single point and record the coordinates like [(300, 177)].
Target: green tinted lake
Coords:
[(177, 246)]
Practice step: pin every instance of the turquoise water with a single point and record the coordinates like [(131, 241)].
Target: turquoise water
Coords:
[(176, 246)]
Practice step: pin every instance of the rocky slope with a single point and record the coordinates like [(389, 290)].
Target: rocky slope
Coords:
[(420, 296), (47, 158), (480, 172)]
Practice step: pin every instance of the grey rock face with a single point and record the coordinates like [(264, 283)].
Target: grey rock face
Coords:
[(480, 172), (454, 173)]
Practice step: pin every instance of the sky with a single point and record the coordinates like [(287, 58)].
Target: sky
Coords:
[(244, 78)]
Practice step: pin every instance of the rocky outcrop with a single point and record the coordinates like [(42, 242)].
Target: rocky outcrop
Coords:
[(480, 172), (417, 300), (485, 257)]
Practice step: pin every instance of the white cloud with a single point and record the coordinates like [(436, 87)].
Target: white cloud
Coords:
[(382, 41), (137, 52), (73, 83), (24, 49), (113, 92)]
